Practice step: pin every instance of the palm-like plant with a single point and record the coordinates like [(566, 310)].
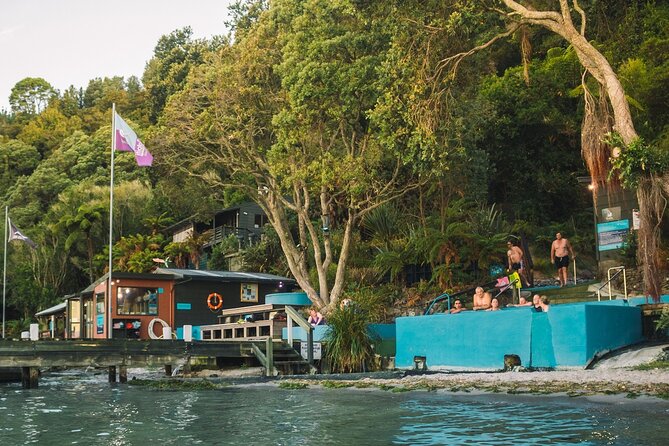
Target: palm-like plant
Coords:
[(80, 229), (196, 244), (486, 235), (349, 343), (158, 223), (178, 253), (130, 253)]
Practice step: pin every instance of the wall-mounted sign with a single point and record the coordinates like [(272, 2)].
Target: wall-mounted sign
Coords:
[(183, 306), (304, 350), (636, 219), (249, 292), (612, 235), (611, 214)]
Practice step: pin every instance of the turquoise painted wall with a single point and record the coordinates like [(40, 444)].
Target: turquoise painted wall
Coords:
[(567, 336)]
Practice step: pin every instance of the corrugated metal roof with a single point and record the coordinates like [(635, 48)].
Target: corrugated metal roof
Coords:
[(53, 310), (235, 276)]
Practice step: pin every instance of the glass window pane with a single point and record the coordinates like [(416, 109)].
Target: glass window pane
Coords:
[(137, 300)]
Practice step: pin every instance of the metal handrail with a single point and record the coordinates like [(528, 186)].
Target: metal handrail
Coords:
[(438, 299), (621, 269)]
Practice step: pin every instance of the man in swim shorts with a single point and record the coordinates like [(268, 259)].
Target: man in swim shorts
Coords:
[(515, 256), (560, 251)]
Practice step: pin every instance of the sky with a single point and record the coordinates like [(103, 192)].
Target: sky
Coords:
[(69, 42)]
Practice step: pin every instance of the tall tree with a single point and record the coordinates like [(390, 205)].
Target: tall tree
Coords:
[(283, 116), (651, 184), (31, 95)]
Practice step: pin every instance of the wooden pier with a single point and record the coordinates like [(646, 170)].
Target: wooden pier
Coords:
[(115, 354)]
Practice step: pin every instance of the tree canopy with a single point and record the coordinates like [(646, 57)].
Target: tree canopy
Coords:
[(380, 139)]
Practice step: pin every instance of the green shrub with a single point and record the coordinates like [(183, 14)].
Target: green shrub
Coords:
[(349, 344)]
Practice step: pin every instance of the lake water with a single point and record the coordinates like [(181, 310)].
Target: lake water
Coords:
[(69, 409)]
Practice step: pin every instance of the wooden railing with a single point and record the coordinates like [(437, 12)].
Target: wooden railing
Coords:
[(294, 315)]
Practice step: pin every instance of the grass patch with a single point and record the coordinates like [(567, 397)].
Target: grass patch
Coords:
[(336, 384), (362, 385), (385, 387), (401, 389), (655, 365), (292, 385), (173, 384)]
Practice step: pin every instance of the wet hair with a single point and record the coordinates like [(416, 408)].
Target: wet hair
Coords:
[(545, 300)]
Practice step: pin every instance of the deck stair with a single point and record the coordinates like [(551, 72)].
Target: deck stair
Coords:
[(281, 360)]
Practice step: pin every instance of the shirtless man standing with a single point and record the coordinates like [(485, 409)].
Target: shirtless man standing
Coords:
[(515, 257), (560, 252)]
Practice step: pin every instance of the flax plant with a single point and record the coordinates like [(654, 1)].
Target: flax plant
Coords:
[(349, 343)]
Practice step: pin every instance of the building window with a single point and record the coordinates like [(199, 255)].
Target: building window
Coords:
[(249, 292), (137, 300), (259, 220)]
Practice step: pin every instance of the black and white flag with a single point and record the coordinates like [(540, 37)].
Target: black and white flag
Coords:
[(16, 234)]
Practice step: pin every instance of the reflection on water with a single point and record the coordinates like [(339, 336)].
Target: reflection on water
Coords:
[(89, 411)]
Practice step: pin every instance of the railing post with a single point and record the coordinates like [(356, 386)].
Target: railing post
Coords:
[(608, 276), (269, 353), (625, 282), (289, 322), (310, 346)]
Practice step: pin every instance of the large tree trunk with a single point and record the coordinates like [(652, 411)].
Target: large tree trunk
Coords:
[(591, 59), (596, 64)]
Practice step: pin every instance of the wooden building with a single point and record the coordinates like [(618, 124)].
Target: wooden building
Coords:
[(168, 297)]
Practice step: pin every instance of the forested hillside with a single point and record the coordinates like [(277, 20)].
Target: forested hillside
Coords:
[(380, 138)]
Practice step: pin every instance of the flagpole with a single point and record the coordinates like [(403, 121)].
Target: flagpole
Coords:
[(4, 273), (111, 220)]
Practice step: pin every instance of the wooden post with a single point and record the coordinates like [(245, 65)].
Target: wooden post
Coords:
[(310, 346), (168, 369), (123, 374), (269, 353), (112, 374), (29, 377)]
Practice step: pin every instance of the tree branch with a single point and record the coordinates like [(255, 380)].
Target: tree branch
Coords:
[(457, 58)]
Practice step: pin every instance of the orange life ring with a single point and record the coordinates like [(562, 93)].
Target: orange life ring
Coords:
[(214, 301)]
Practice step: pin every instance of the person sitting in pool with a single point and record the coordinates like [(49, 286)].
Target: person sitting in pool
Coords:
[(540, 303), (544, 302), (457, 307), (522, 302), (315, 318), (481, 299), (494, 305)]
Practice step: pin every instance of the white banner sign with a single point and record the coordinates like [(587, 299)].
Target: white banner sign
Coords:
[(304, 350)]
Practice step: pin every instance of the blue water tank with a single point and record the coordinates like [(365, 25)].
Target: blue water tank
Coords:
[(294, 299)]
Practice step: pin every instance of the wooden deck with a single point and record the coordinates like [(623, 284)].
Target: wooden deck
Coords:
[(109, 352), (30, 356)]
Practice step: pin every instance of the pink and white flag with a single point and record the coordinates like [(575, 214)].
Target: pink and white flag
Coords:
[(126, 140)]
